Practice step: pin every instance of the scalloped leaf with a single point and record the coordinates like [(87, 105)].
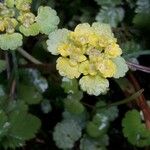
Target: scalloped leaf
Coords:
[(55, 38), (10, 41), (110, 15), (81, 119), (32, 30), (134, 130), (47, 19), (23, 126), (66, 133), (94, 85), (122, 67)]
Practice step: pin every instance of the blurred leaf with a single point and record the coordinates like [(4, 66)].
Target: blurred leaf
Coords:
[(34, 77), (69, 85), (108, 2), (2, 65), (130, 47), (29, 94), (143, 6), (110, 15), (94, 130), (74, 106), (4, 124), (81, 119), (111, 112), (140, 22), (87, 143), (46, 106)]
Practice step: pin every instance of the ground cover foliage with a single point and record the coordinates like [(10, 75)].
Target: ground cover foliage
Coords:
[(74, 75)]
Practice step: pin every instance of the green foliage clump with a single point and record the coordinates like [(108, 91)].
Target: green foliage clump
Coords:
[(41, 110)]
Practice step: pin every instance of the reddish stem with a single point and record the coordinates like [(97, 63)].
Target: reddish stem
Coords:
[(141, 102)]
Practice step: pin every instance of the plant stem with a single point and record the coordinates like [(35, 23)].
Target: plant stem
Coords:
[(141, 101), (138, 67), (28, 56), (8, 65), (15, 82), (129, 99)]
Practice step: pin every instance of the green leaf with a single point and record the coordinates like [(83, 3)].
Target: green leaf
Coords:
[(66, 133), (122, 67), (94, 131), (11, 143), (110, 15), (47, 19), (130, 47), (29, 94), (140, 22), (143, 6), (110, 112), (2, 65), (23, 126), (4, 124), (55, 38), (18, 106), (46, 106), (10, 41), (87, 143), (34, 77), (81, 119), (134, 130), (74, 106), (69, 85)]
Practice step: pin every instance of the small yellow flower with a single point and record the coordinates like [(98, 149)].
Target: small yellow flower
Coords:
[(106, 67), (91, 51), (87, 68), (113, 50), (65, 69), (94, 85), (2, 26), (64, 49), (93, 40), (27, 19), (84, 67)]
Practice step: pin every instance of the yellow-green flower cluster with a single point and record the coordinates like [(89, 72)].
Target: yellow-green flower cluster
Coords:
[(16, 18), (88, 52)]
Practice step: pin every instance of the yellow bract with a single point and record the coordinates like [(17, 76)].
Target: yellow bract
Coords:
[(113, 50), (66, 69)]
